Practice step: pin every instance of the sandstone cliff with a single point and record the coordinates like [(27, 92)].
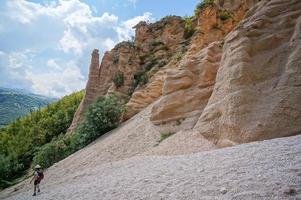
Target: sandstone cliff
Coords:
[(129, 65), (233, 80), (257, 92)]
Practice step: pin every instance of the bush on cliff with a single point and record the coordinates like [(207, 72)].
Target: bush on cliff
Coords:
[(118, 80), (200, 6), (189, 28), (102, 116)]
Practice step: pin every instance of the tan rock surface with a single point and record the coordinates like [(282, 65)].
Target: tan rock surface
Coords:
[(187, 89), (153, 46), (209, 28), (258, 86), (121, 59)]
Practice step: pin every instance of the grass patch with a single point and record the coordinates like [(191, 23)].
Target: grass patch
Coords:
[(202, 5), (179, 56), (156, 43), (118, 79), (224, 14), (165, 136), (189, 28)]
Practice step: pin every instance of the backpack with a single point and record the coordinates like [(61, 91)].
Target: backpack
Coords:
[(40, 176)]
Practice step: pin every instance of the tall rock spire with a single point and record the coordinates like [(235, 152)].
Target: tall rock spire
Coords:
[(91, 88)]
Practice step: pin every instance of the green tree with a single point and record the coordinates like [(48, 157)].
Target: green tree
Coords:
[(101, 117)]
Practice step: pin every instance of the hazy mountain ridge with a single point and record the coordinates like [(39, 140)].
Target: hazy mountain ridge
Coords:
[(15, 103)]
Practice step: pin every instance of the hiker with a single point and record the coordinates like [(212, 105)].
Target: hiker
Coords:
[(37, 177)]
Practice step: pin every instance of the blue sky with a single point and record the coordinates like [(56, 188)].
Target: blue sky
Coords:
[(45, 46)]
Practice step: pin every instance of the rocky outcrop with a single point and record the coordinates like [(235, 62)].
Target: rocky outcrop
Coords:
[(91, 90), (129, 65), (232, 90), (235, 5), (121, 60), (144, 97), (209, 27), (258, 86), (187, 89)]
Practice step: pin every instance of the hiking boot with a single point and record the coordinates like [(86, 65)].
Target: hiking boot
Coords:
[(34, 194)]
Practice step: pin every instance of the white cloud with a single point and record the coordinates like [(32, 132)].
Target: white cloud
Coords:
[(147, 16), (125, 31), (58, 82), (65, 33), (70, 42), (19, 60), (53, 64)]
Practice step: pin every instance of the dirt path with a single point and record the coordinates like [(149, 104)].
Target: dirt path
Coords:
[(259, 170)]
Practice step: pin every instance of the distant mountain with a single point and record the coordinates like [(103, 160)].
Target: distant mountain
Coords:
[(15, 103)]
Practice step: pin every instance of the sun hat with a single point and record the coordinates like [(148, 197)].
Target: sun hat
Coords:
[(37, 167)]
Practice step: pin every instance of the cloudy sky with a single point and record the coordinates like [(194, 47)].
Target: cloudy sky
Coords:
[(45, 46)]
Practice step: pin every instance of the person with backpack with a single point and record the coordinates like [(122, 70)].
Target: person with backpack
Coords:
[(37, 177)]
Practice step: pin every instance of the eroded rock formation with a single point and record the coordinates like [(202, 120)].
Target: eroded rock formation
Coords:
[(133, 62), (258, 87), (187, 88), (231, 85)]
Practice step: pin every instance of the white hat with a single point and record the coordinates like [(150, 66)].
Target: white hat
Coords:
[(37, 167)]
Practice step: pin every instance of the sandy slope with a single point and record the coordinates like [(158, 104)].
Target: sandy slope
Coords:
[(138, 136), (261, 170)]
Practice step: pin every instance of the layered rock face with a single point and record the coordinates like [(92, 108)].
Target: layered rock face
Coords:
[(187, 88), (258, 86), (210, 27), (122, 60), (133, 62), (230, 86)]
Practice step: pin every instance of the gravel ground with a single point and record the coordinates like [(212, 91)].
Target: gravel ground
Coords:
[(261, 170)]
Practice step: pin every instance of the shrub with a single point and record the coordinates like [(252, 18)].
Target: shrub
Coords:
[(102, 116), (224, 14), (118, 79), (150, 65), (9, 168), (156, 43), (189, 28), (50, 153), (200, 6), (165, 135), (178, 56), (140, 79)]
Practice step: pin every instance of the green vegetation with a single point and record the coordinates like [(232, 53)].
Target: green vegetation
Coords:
[(140, 79), (118, 79), (16, 103), (102, 116), (189, 28), (24, 138), (200, 6), (163, 136), (156, 43), (224, 14), (179, 56)]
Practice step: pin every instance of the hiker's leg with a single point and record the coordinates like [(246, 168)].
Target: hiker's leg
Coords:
[(34, 189), (38, 186)]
